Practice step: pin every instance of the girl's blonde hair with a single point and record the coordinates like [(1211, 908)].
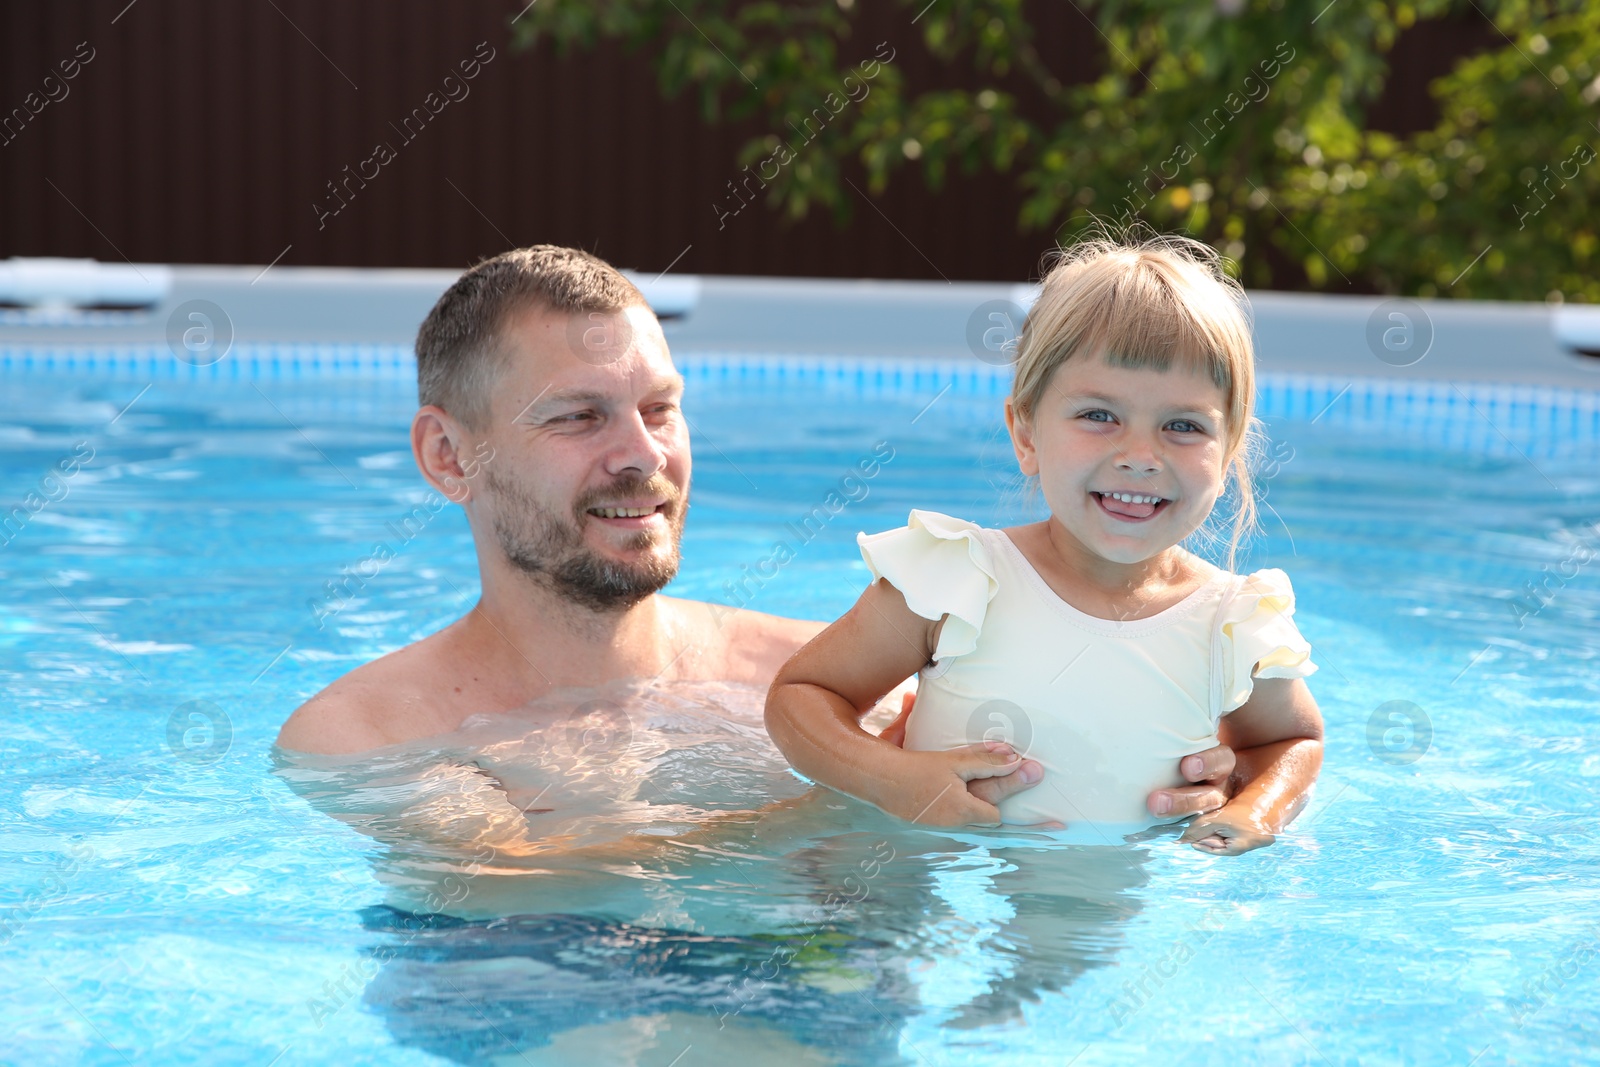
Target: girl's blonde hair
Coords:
[(1148, 300)]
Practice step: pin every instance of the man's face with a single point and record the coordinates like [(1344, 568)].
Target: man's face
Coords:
[(589, 483)]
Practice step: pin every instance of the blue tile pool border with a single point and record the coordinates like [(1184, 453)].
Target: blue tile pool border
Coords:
[(1494, 417)]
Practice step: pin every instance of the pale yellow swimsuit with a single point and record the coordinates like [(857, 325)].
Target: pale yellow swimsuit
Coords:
[(1109, 708)]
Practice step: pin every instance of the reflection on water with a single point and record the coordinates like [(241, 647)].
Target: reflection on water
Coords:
[(635, 869)]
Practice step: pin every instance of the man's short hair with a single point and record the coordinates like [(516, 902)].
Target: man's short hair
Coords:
[(459, 355)]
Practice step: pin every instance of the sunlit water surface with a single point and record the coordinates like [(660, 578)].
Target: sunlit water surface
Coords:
[(632, 874)]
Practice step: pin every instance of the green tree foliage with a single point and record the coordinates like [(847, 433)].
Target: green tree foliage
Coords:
[(1241, 122)]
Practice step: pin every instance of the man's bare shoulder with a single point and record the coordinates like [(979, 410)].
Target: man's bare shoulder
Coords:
[(364, 709), (758, 625), (749, 645)]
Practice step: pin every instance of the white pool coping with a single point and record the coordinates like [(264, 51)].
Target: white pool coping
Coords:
[(295, 313)]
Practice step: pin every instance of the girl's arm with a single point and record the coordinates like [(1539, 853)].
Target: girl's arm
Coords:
[(1277, 740), (816, 703)]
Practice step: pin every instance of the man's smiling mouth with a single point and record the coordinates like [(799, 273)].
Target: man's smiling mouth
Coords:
[(637, 515), (622, 513)]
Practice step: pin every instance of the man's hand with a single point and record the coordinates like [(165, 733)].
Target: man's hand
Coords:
[(934, 788), (988, 791), (1213, 769), (895, 732)]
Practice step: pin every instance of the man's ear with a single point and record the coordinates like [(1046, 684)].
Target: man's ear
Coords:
[(1021, 439), (443, 450)]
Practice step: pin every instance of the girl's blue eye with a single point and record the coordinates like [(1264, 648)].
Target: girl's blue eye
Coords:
[(1092, 415), (1186, 426)]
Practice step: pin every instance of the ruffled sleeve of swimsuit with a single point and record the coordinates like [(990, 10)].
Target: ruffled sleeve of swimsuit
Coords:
[(941, 566), (1259, 637)]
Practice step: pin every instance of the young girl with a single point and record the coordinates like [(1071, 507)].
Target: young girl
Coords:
[(1091, 642)]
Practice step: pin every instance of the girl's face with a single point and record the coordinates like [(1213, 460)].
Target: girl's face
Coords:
[(1130, 460)]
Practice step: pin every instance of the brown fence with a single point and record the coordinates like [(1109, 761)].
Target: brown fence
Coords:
[(241, 131)]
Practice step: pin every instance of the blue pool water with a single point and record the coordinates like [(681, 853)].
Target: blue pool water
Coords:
[(176, 894)]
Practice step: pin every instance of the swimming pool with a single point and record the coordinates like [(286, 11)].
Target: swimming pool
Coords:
[(209, 560)]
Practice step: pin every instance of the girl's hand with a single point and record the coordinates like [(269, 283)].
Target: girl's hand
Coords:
[(1277, 750), (931, 788), (1227, 833)]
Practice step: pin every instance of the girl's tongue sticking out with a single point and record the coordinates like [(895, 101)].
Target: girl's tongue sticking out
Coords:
[(1129, 505)]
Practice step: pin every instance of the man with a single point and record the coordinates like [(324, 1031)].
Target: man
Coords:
[(550, 413)]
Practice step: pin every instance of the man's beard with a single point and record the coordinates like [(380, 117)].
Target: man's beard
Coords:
[(549, 546)]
